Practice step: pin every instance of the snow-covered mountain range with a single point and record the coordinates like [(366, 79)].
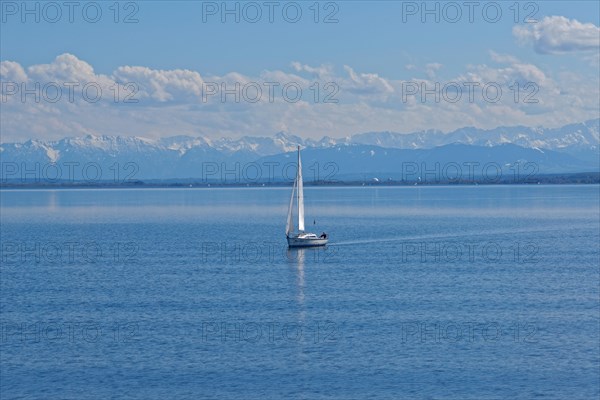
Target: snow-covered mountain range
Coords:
[(571, 148)]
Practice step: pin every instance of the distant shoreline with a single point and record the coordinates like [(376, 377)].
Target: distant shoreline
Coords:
[(584, 178)]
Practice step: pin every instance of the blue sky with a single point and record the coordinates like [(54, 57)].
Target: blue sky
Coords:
[(369, 53)]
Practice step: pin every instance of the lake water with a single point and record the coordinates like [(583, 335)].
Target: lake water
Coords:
[(479, 292)]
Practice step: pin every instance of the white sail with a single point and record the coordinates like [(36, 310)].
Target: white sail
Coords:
[(300, 195), (289, 227)]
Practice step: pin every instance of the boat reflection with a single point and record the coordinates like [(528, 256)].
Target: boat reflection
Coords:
[(296, 257)]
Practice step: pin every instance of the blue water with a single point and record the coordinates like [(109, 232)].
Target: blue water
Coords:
[(486, 292)]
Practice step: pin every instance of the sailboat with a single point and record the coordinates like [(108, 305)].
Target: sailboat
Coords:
[(300, 238)]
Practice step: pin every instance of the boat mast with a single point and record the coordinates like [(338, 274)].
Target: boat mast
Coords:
[(298, 180)]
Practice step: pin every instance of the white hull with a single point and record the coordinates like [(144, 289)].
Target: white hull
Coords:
[(306, 242)]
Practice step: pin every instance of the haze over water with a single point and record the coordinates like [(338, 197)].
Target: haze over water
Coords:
[(467, 292)]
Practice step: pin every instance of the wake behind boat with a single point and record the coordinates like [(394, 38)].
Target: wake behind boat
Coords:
[(300, 238)]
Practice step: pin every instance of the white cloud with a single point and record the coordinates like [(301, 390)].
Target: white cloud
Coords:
[(431, 69), (65, 68), (11, 71), (559, 35), (162, 85), (320, 72), (366, 83)]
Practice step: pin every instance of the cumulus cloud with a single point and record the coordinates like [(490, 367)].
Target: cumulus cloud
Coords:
[(66, 68), (162, 85), (11, 71), (559, 35)]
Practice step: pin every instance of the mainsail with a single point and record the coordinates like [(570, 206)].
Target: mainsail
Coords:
[(289, 227), (298, 191), (300, 195)]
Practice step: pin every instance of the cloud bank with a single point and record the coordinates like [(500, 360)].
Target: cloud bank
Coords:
[(67, 97)]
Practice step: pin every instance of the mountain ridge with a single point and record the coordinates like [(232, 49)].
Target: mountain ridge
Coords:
[(571, 148)]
